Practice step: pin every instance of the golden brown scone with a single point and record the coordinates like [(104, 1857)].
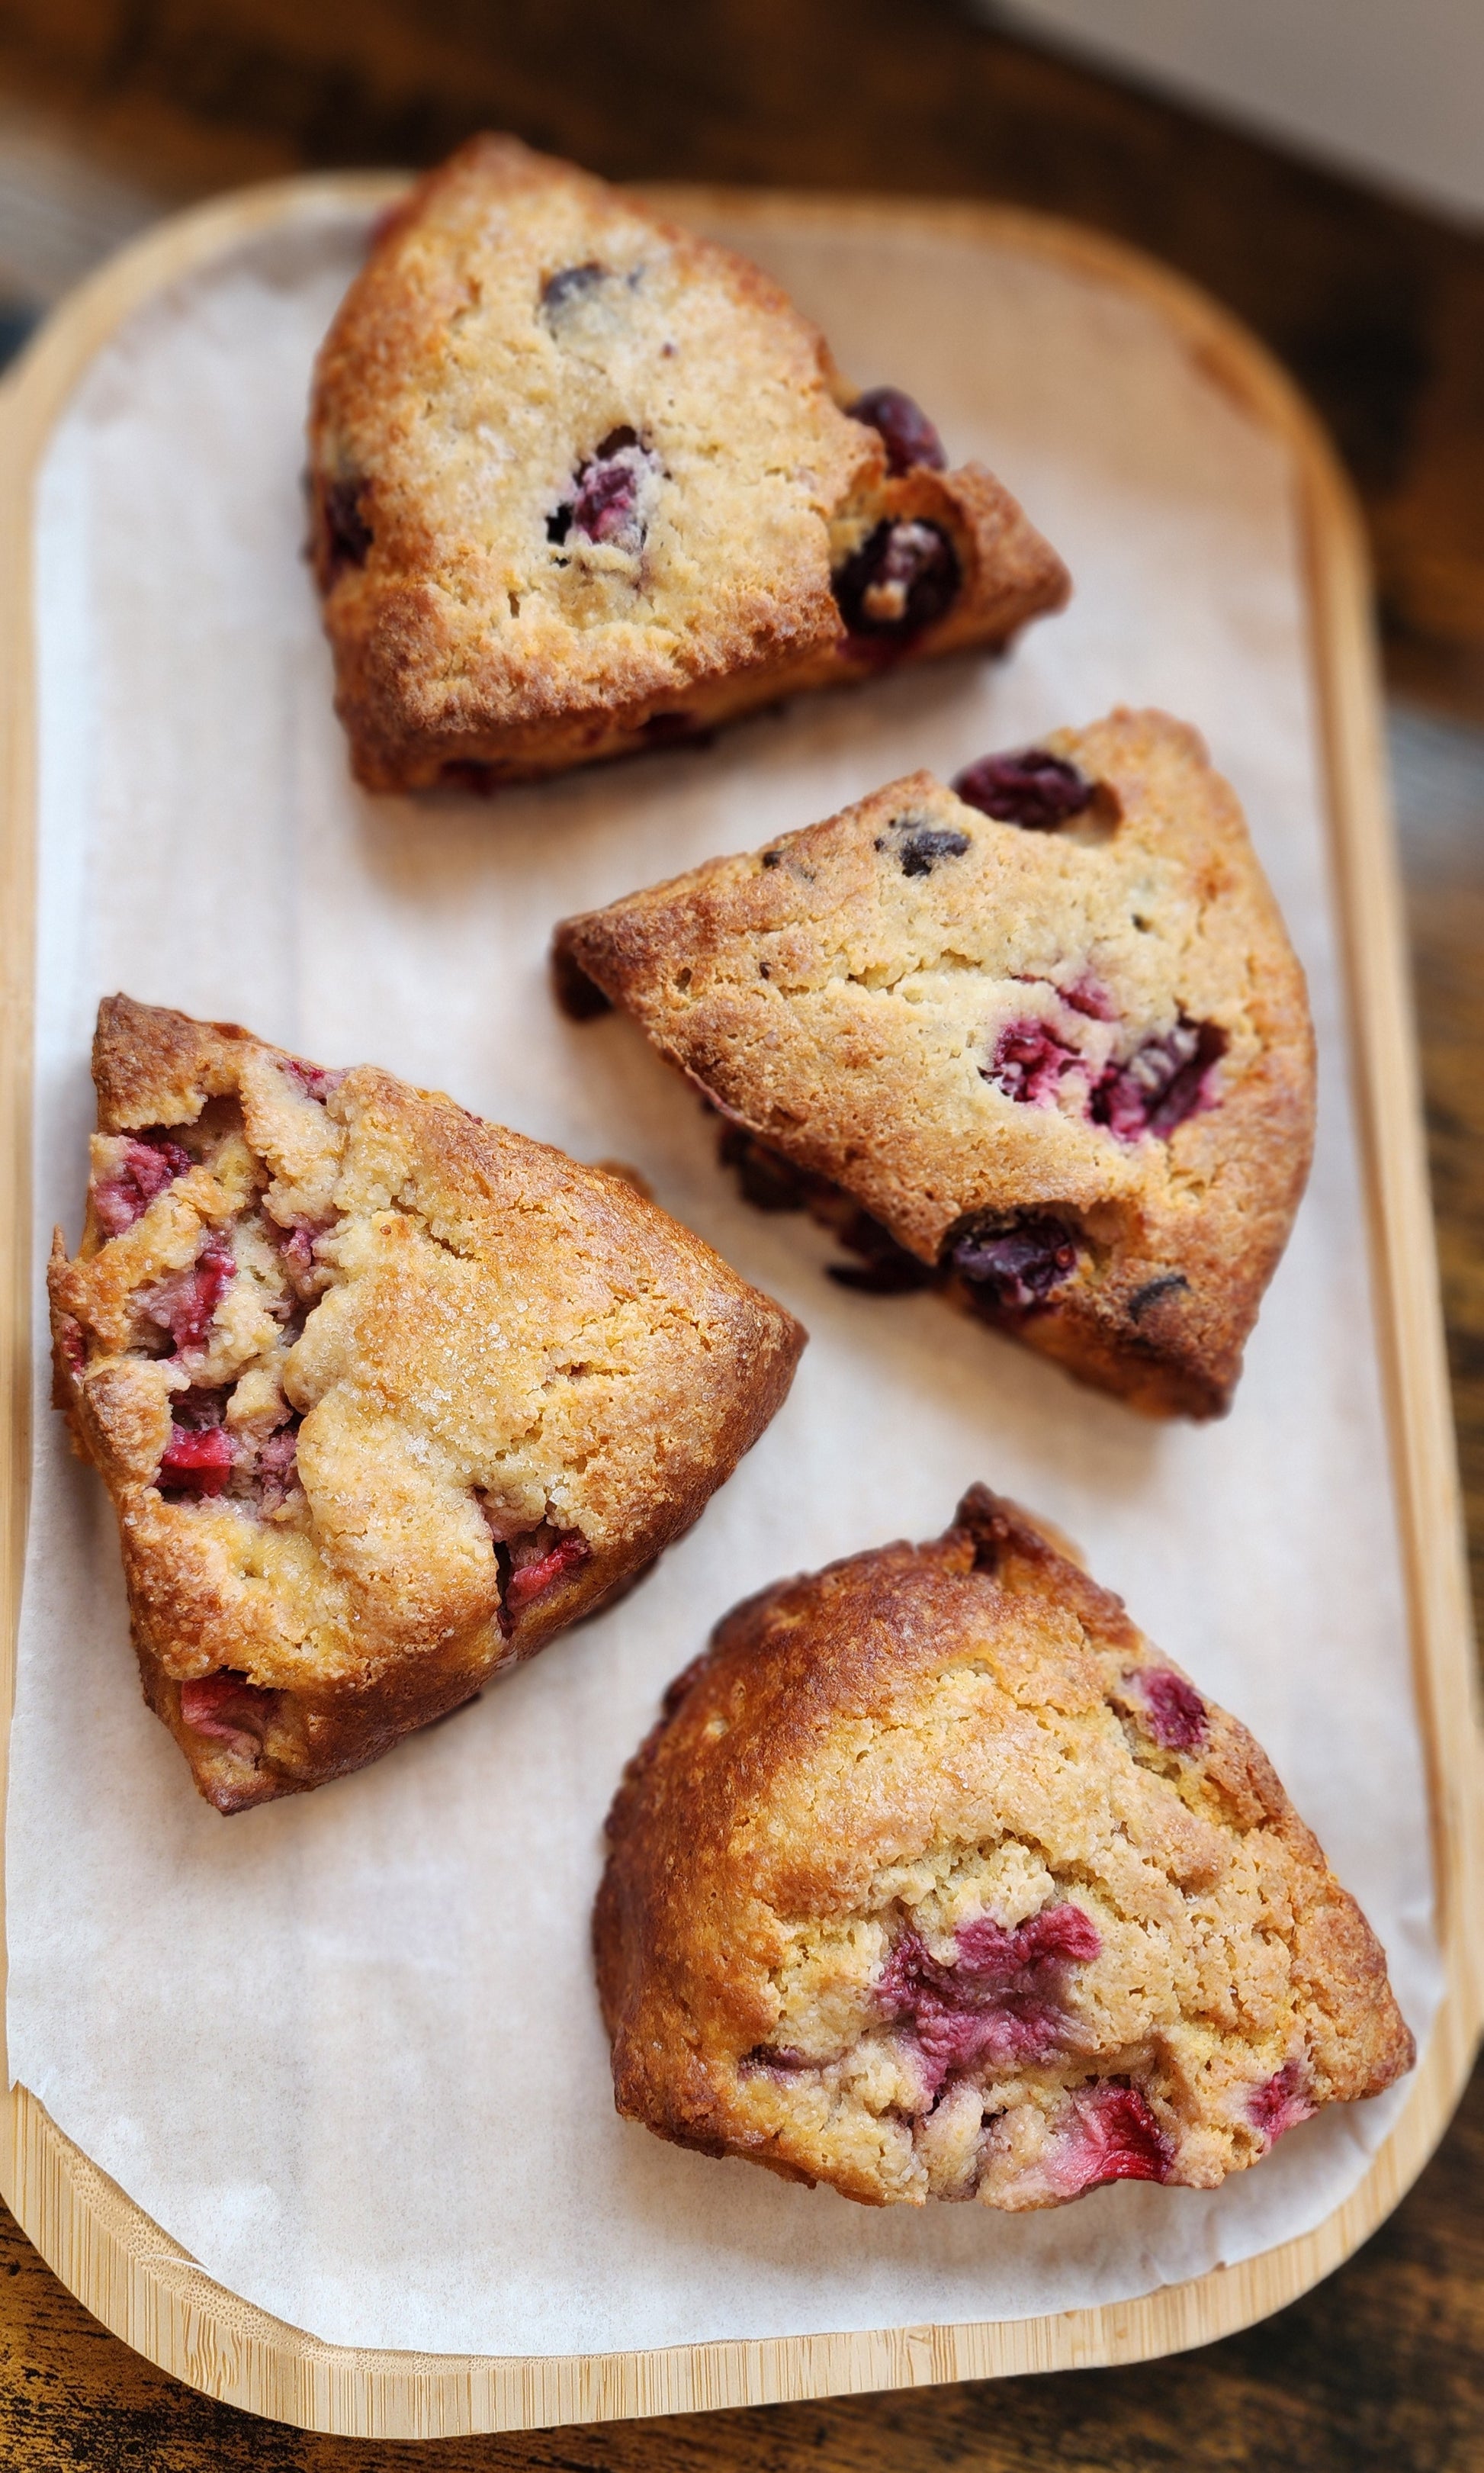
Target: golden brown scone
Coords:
[(936, 1879), (384, 1396), (583, 483), (1043, 1041)]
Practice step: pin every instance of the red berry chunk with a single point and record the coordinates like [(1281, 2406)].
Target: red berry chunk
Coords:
[(1018, 1264), (229, 1709), (534, 1572), (1282, 2104), (149, 1164), (1176, 1711), (185, 1302), (316, 1081), (999, 2001), (605, 505), (1162, 1084), (1107, 2133), (1029, 1062), (1030, 788), (904, 577), (197, 1462), (904, 427)]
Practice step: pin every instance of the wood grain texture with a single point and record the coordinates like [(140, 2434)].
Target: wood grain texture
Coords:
[(1377, 308), (79, 2226)]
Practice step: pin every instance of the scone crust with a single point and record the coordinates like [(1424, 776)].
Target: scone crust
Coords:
[(830, 1004), (861, 1746), (491, 1336), (450, 413)]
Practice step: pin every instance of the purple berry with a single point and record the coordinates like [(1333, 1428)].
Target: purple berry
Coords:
[(568, 287), (1029, 1062), (1177, 1712), (348, 533), (903, 428), (149, 1163), (1000, 2000), (1030, 788), (904, 577), (1282, 2104), (921, 846), (1016, 1265), (605, 505), (1161, 1084)]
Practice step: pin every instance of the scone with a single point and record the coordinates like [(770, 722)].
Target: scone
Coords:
[(1042, 1040), (384, 1396), (583, 483), (937, 1881)]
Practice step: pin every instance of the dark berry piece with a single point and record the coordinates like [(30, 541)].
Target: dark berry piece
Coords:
[(466, 773), (605, 505), (1161, 1084), (923, 846), (536, 1562), (1018, 1263), (567, 289), (184, 1301), (904, 577), (903, 428), (1029, 787), (1029, 1062), (346, 531)]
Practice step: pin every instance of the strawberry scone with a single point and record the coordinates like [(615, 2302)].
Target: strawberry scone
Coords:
[(384, 1396), (937, 1881)]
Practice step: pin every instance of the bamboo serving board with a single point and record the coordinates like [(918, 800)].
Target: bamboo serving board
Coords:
[(105, 2248)]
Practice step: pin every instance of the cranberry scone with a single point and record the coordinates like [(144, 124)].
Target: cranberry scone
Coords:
[(583, 483), (1041, 1039), (384, 1396), (937, 1881)]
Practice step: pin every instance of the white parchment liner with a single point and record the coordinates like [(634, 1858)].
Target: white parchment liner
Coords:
[(345, 2049)]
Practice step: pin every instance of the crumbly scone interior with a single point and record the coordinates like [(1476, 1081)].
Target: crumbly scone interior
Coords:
[(1027, 2016)]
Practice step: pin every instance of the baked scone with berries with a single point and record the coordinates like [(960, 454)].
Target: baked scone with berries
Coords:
[(384, 1396), (1041, 1039), (583, 483), (937, 1881)]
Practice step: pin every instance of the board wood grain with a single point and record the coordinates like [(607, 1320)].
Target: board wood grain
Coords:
[(110, 2254)]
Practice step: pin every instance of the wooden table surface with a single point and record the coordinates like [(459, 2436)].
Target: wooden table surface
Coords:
[(1379, 310)]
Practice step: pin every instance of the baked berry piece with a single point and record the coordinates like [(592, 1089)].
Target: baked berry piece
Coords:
[(1043, 1041), (384, 1396), (583, 483), (936, 1881)]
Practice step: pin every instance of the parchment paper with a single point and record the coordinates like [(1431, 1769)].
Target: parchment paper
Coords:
[(345, 2049)]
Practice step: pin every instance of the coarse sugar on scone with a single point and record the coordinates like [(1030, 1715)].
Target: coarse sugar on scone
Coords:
[(937, 1881), (583, 483), (1041, 1039), (385, 1395)]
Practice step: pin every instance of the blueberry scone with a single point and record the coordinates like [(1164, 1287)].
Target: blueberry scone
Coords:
[(937, 1881), (384, 1396), (583, 483), (1041, 1039)]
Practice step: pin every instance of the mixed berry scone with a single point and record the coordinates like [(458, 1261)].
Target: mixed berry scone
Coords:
[(583, 483), (937, 1881), (1041, 1039), (384, 1395)]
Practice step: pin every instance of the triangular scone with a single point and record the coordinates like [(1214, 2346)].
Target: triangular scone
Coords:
[(937, 1881), (384, 1396), (1051, 1047), (583, 483)]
